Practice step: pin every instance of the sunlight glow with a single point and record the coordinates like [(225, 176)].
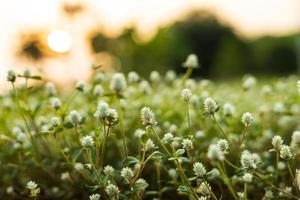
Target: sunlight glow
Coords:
[(59, 41)]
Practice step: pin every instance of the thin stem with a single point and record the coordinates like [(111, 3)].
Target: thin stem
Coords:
[(292, 176), (89, 152), (213, 195), (157, 165), (227, 181), (222, 130), (120, 111), (187, 75), (244, 135), (245, 191), (188, 116), (276, 166)]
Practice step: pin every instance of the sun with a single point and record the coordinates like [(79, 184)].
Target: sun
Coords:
[(59, 41)]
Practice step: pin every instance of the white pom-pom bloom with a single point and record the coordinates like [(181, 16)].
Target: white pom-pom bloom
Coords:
[(112, 191), (247, 119), (215, 153), (139, 133), (94, 197), (145, 87), (75, 117), (118, 82), (191, 61), (148, 117), (108, 170), (98, 90), (205, 189), (80, 86), (210, 105), (127, 174), (154, 76), (277, 142), (31, 185), (11, 76), (248, 160), (298, 86), (249, 83), (55, 103), (170, 76), (187, 143), (50, 88), (102, 110), (87, 141), (133, 77), (223, 145), (199, 169), (285, 152), (186, 95), (55, 121), (295, 142), (168, 138), (228, 109), (247, 178)]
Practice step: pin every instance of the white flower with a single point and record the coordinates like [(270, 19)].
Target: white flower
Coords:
[(65, 176), (215, 153), (118, 82), (80, 86), (228, 109), (78, 166), (249, 83), (145, 87), (168, 138), (50, 88), (155, 76), (133, 77), (112, 191), (108, 170), (140, 185), (285, 152), (297, 177), (191, 61), (149, 145), (87, 141), (170, 76), (102, 110), (148, 117), (55, 121), (295, 142), (298, 86), (75, 117), (187, 143), (248, 160), (98, 90), (139, 133), (55, 103), (247, 178), (210, 105), (31, 185), (95, 197), (127, 174), (173, 173), (223, 145), (277, 142), (247, 119), (186, 95), (199, 169), (205, 189), (11, 76)]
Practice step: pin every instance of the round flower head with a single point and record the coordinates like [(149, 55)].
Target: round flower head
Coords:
[(139, 133), (11, 76), (205, 189), (75, 117), (215, 153), (247, 178), (247, 160), (55, 103), (27, 73), (127, 174), (118, 82), (199, 169), (285, 152), (223, 145), (210, 105), (295, 142), (133, 77), (98, 90), (108, 170), (298, 86), (112, 191), (297, 178), (31, 185), (247, 119), (170, 76), (168, 138), (102, 110), (191, 61), (186, 95), (228, 109), (87, 141), (154, 76), (50, 88), (112, 115), (80, 86), (148, 117), (277, 142), (145, 87), (140, 185), (187, 143), (249, 83), (78, 166), (95, 197), (55, 122)]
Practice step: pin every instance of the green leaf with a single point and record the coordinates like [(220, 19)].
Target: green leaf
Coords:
[(130, 160), (180, 152), (76, 154), (36, 77), (69, 125), (184, 189)]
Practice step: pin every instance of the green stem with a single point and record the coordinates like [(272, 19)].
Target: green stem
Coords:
[(222, 130), (243, 135), (227, 181), (188, 117), (89, 152), (212, 193), (120, 111), (245, 191), (187, 75)]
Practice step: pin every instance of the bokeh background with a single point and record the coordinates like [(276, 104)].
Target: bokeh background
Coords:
[(62, 39)]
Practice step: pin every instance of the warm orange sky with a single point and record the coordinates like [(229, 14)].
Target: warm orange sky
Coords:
[(249, 17)]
